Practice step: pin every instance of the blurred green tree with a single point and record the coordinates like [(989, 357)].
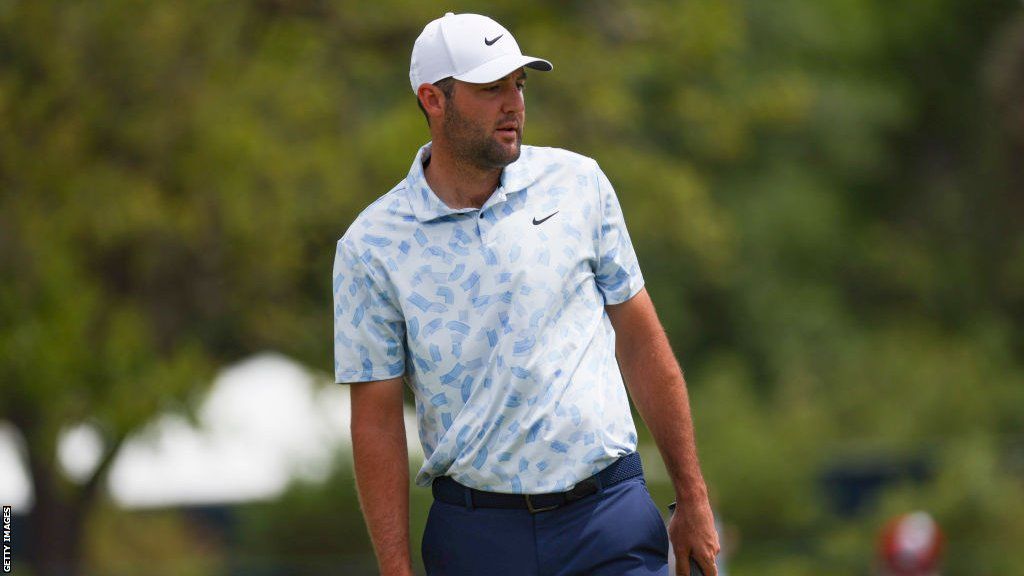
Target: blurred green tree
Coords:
[(163, 189)]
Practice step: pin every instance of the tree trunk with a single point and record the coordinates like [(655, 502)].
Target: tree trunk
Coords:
[(56, 523)]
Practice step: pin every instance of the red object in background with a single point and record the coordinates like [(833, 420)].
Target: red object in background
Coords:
[(911, 545)]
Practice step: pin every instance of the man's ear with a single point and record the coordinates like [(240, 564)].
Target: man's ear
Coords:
[(432, 99)]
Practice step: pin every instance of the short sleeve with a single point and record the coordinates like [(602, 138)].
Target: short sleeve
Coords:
[(618, 272), (369, 330)]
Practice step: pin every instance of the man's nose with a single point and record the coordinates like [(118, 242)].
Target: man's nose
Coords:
[(512, 100)]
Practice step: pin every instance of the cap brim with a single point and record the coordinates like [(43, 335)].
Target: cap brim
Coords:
[(503, 66)]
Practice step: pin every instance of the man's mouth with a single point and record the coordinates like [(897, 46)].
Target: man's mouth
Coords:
[(509, 129)]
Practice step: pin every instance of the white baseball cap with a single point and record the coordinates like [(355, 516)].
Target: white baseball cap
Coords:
[(467, 47)]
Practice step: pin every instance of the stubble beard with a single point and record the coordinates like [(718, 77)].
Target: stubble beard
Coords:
[(474, 146)]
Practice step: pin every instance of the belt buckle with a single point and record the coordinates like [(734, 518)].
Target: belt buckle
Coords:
[(533, 510)]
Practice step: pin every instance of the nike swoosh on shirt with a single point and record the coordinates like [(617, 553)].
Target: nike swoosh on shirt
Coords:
[(542, 220), (490, 42)]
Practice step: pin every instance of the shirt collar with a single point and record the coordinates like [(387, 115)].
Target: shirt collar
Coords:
[(427, 206)]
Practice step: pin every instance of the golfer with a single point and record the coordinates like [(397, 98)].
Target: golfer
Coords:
[(498, 282)]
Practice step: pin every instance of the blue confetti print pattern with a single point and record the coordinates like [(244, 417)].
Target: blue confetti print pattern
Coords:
[(497, 324)]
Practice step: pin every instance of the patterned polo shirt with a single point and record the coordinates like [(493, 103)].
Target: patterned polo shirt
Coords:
[(495, 316)]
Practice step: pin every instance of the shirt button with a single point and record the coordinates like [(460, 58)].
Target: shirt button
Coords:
[(481, 215)]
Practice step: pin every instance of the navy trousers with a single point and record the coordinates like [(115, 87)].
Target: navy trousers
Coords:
[(616, 532)]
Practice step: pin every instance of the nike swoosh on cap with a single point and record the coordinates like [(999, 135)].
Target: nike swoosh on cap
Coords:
[(490, 42)]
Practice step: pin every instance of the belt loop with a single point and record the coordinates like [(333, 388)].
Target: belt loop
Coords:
[(468, 494)]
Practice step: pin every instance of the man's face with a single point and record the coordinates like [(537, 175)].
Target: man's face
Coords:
[(483, 123)]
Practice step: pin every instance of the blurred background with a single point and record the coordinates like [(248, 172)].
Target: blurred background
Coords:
[(827, 199)]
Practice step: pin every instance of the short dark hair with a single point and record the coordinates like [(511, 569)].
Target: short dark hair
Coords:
[(447, 86)]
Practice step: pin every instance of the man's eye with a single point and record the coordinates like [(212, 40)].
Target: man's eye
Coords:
[(494, 88), (521, 87)]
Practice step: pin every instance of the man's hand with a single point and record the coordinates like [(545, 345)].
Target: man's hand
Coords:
[(692, 532)]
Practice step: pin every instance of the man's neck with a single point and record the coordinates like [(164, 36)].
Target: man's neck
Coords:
[(459, 184)]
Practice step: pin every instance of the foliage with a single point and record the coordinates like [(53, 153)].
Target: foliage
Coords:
[(324, 531), (123, 543)]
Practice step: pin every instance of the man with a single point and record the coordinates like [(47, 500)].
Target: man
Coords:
[(498, 282)]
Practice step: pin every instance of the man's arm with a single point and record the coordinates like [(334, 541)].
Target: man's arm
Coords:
[(656, 385), (382, 470)]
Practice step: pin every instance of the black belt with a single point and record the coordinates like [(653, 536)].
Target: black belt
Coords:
[(451, 492)]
